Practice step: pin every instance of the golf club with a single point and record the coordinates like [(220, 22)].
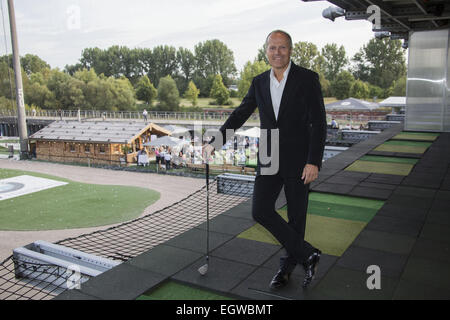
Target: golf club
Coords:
[(204, 269)]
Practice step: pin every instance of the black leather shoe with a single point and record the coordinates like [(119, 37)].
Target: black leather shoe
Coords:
[(311, 265), (280, 280)]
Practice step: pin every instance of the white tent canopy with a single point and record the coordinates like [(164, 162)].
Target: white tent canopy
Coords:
[(352, 104), (394, 102), (252, 132), (166, 141)]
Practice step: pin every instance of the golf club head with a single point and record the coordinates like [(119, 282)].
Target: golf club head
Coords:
[(203, 269)]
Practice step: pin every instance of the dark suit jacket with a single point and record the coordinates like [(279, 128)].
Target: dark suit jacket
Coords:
[(301, 119)]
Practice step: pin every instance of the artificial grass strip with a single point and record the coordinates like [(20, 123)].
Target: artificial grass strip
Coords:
[(421, 136), (404, 146), (402, 149), (341, 211), (401, 169), (176, 291), (345, 200), (75, 205), (389, 159), (332, 235), (408, 143)]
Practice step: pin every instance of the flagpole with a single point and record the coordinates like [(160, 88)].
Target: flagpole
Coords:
[(21, 116)]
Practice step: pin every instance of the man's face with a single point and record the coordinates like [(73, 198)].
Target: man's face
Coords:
[(278, 51)]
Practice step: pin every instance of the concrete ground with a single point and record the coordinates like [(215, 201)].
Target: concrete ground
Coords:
[(171, 189)]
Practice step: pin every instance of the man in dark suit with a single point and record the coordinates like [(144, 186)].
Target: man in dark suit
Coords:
[(291, 110)]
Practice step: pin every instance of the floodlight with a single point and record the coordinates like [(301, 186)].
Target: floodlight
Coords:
[(333, 13)]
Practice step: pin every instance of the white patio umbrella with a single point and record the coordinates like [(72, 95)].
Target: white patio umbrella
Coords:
[(252, 132), (174, 130), (166, 141)]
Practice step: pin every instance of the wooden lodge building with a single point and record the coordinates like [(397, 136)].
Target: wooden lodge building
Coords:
[(100, 142)]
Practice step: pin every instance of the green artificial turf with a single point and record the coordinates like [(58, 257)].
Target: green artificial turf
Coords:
[(332, 235), (341, 211), (176, 291), (422, 136), (389, 159), (402, 169), (404, 146), (332, 223), (346, 200), (75, 205)]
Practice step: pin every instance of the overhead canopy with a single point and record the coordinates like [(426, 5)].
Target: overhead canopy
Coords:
[(397, 17), (166, 141), (351, 104), (394, 102)]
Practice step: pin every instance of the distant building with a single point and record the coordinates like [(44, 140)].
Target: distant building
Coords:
[(101, 142)]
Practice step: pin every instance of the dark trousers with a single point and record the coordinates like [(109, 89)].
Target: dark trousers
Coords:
[(290, 234)]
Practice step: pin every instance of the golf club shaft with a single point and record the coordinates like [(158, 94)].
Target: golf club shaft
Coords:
[(207, 210)]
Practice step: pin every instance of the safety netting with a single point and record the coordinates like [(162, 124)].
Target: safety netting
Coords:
[(21, 280)]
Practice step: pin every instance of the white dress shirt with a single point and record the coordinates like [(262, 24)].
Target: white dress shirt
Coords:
[(277, 88)]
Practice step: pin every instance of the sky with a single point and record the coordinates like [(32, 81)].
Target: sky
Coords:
[(58, 30)]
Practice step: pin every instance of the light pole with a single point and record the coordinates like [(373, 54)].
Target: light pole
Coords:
[(21, 116)]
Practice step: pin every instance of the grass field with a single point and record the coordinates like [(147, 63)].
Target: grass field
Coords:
[(75, 205)]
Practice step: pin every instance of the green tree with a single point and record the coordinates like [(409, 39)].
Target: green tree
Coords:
[(116, 61), (341, 86), (168, 95), (213, 57), (192, 93), (325, 85), (375, 92), (380, 62), (7, 84), (334, 60), (86, 75), (32, 64), (164, 63), (306, 55), (262, 56), (359, 90), (219, 92), (248, 73), (145, 91), (123, 94), (39, 95), (186, 65), (398, 87), (67, 90)]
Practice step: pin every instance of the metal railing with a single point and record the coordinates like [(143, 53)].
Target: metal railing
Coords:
[(124, 115), (162, 115)]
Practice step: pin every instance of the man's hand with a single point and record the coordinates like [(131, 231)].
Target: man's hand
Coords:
[(310, 173)]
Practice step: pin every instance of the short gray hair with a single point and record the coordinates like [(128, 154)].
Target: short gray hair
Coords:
[(279, 31)]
